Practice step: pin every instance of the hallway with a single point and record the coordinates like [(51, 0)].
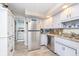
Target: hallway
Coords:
[(21, 50)]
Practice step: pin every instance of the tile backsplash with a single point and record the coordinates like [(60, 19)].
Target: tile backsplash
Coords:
[(71, 24), (76, 31)]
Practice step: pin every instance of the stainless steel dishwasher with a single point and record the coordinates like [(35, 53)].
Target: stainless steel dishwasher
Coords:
[(50, 43)]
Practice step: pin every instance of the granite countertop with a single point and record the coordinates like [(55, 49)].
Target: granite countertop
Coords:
[(66, 37)]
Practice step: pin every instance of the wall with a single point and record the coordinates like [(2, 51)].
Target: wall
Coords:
[(47, 23)]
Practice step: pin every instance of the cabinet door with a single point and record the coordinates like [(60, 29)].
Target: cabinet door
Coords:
[(3, 47), (3, 23), (59, 49), (75, 11), (43, 39), (64, 15), (10, 46), (10, 23), (56, 21), (64, 50), (46, 23), (70, 51)]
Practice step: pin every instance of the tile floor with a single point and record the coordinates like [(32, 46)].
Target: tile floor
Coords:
[(21, 50)]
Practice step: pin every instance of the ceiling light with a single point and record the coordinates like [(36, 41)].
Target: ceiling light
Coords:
[(48, 16), (65, 6)]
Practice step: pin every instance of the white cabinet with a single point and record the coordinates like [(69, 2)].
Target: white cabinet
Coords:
[(47, 23), (70, 51), (70, 13), (3, 47), (57, 25), (75, 11), (43, 39), (63, 16), (58, 49), (3, 22), (41, 23), (65, 47), (11, 24), (63, 50), (56, 22), (6, 32)]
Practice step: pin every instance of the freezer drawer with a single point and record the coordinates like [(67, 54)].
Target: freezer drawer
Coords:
[(33, 40)]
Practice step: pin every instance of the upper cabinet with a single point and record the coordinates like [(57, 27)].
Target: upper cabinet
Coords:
[(64, 15), (56, 21), (6, 22), (75, 11), (70, 13), (47, 23), (41, 23)]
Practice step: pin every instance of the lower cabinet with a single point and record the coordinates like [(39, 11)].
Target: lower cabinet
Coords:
[(11, 46), (70, 51), (6, 46), (43, 39), (58, 49), (64, 50)]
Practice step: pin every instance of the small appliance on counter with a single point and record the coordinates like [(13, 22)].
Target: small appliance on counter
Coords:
[(44, 31)]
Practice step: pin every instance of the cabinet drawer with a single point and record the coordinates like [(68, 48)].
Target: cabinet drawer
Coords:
[(59, 49), (64, 50)]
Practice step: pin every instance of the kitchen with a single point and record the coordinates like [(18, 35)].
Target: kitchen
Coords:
[(28, 30)]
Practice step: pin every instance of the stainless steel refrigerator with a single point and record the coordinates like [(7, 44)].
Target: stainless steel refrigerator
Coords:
[(33, 35)]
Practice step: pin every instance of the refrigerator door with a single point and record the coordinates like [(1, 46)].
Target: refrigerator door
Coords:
[(34, 25), (33, 40)]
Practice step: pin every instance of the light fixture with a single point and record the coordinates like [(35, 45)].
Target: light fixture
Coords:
[(65, 6), (47, 16)]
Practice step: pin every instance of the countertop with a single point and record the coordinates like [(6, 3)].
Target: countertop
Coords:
[(65, 37)]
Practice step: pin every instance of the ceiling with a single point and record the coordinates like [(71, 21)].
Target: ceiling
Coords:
[(41, 9)]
